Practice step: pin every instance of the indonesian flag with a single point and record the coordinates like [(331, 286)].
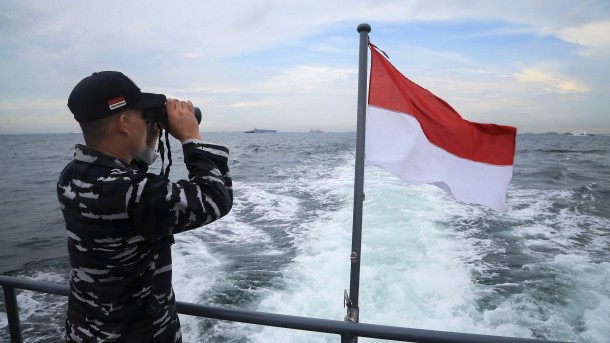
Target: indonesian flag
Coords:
[(422, 139)]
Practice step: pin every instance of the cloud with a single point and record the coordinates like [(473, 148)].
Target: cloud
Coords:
[(258, 103), (301, 97), (307, 79), (550, 82), (593, 37), (264, 57), (594, 34), (298, 82)]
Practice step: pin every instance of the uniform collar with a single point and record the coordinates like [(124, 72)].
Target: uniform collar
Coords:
[(87, 154)]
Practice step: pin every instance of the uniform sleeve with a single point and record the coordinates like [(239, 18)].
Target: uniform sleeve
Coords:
[(159, 207)]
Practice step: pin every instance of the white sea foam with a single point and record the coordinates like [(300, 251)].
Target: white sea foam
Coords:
[(412, 273), (196, 274), (313, 284), (565, 246), (265, 203), (200, 274), (41, 315), (419, 266)]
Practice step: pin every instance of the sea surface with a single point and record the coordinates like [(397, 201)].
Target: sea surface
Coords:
[(541, 270)]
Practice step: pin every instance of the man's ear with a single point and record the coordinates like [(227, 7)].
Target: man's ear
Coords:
[(122, 124)]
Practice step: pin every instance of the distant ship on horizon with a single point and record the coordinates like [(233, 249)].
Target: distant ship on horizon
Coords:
[(578, 133), (260, 131)]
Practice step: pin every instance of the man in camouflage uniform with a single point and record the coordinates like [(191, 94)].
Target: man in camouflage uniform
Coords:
[(121, 220)]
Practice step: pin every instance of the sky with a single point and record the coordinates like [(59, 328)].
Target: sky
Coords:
[(292, 65)]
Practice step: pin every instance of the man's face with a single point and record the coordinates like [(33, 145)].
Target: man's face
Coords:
[(137, 137)]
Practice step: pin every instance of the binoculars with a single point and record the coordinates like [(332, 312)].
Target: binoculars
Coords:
[(159, 115)]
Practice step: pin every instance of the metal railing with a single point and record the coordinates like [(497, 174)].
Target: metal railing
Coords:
[(346, 330)]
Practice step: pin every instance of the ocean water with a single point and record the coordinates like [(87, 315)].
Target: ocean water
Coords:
[(541, 270)]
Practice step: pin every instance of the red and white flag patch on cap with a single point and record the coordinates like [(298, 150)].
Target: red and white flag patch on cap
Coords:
[(115, 103)]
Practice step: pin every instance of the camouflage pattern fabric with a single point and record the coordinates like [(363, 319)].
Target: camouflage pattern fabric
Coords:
[(120, 222)]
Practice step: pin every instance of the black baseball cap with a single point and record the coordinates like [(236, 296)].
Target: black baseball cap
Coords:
[(108, 92)]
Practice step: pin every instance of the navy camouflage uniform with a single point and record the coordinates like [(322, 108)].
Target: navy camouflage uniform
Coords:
[(120, 222)]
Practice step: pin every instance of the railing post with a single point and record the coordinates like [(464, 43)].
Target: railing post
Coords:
[(347, 338), (12, 313)]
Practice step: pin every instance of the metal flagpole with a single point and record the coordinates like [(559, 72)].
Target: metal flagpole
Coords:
[(351, 301)]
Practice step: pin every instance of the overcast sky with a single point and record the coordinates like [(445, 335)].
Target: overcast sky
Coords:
[(292, 65)]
